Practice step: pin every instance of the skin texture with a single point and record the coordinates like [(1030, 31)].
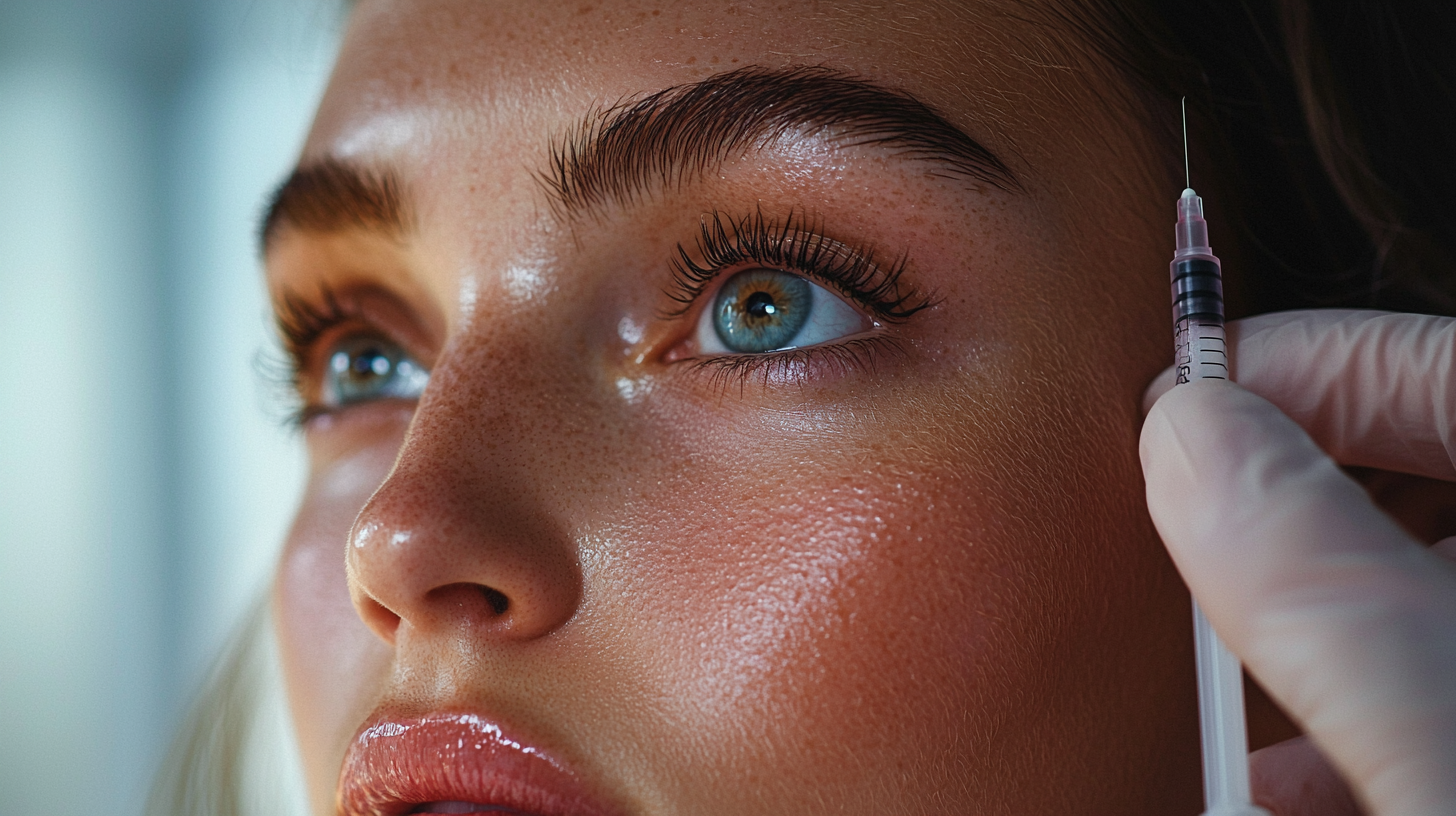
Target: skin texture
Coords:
[(924, 585)]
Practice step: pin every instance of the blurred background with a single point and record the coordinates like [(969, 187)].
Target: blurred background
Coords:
[(146, 471)]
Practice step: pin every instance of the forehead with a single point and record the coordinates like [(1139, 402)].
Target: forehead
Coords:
[(464, 99), (412, 68)]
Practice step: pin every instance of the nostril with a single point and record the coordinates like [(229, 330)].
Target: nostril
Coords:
[(379, 618), (466, 601), (499, 603)]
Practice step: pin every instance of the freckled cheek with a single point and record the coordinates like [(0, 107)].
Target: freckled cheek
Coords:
[(333, 665), (824, 609), (329, 657)]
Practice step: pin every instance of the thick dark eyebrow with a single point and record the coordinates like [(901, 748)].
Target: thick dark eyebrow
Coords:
[(331, 195), (621, 152)]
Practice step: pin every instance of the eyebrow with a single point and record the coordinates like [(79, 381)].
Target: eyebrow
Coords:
[(331, 195), (677, 134), (622, 152)]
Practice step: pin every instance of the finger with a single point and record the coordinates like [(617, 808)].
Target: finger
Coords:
[(1344, 619), (1293, 778), (1373, 388)]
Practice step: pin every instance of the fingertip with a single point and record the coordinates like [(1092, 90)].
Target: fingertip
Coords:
[(1176, 419), (1293, 778)]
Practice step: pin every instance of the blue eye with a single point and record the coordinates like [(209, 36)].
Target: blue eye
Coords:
[(760, 310), (362, 368)]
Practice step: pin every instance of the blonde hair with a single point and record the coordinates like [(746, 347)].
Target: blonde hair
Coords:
[(235, 754)]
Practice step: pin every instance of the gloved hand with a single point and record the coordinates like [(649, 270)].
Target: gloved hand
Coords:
[(1344, 618)]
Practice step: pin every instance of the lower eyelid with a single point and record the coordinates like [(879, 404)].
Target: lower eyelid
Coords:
[(798, 366)]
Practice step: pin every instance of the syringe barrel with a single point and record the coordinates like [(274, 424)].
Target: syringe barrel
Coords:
[(1200, 350), (1199, 347)]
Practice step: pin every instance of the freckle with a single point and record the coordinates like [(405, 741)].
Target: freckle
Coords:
[(692, 60), (656, 12)]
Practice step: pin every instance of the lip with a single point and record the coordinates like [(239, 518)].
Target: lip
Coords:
[(395, 766)]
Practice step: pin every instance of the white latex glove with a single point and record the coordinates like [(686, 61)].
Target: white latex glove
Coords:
[(1344, 618)]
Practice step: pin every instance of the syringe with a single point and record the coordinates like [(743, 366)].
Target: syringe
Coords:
[(1200, 352)]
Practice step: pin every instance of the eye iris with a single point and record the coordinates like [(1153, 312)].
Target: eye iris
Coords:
[(761, 310), (365, 368)]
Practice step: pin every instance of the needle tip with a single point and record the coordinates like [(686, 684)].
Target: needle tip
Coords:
[(1187, 178)]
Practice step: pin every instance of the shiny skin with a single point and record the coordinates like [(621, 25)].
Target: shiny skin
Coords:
[(926, 586)]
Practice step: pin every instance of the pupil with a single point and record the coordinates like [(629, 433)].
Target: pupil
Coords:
[(371, 364), (760, 305)]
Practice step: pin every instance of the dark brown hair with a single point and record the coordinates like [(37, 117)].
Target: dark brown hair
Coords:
[(1332, 128)]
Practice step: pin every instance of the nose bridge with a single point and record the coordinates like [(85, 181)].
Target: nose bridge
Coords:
[(467, 528)]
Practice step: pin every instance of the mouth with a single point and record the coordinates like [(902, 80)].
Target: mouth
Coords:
[(455, 763)]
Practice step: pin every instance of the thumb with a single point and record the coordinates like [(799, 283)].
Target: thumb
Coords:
[(1344, 619)]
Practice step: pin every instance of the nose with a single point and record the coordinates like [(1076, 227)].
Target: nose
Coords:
[(447, 543)]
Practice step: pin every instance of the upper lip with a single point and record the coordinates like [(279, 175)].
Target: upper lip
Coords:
[(395, 765)]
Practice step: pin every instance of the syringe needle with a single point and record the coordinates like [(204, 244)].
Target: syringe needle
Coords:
[(1187, 177)]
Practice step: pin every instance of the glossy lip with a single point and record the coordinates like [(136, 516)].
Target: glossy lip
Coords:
[(394, 766)]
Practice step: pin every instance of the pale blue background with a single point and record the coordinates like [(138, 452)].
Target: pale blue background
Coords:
[(145, 475)]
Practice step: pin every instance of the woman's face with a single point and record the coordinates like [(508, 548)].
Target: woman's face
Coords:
[(777, 453)]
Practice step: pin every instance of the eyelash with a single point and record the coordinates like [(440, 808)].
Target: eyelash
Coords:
[(800, 246), (301, 322), (795, 245)]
